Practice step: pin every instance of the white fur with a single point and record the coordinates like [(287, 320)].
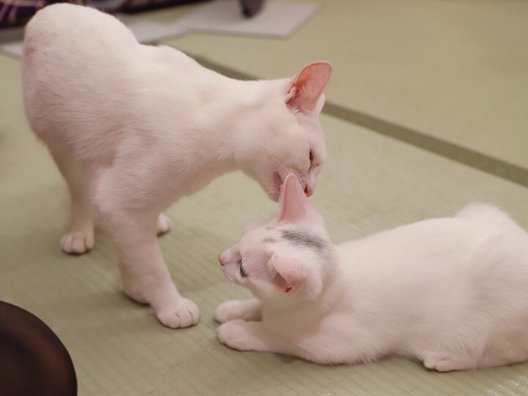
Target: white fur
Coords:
[(451, 292), (133, 128)]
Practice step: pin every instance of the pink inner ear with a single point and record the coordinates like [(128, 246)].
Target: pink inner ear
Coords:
[(294, 205), (308, 86), (291, 271)]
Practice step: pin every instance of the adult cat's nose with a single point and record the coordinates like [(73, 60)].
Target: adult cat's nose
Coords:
[(309, 185), (221, 260)]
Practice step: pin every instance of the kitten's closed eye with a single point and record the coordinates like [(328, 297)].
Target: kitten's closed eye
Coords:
[(243, 272)]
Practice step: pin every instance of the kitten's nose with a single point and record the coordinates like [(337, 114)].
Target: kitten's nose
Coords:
[(308, 190)]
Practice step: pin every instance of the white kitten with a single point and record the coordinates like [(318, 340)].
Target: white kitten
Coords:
[(133, 128), (451, 292)]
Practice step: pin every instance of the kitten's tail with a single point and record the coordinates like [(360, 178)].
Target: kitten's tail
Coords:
[(487, 215)]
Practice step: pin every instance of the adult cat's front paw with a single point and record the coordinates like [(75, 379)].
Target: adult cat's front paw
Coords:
[(235, 335), (184, 313), (77, 242)]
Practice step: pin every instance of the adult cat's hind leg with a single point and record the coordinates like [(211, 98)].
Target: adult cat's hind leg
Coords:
[(80, 236)]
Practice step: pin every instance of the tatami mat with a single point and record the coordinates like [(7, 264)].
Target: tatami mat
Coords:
[(370, 183)]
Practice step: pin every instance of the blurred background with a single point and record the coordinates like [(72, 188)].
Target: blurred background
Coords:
[(426, 112)]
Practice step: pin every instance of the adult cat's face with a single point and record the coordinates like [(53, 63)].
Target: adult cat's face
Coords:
[(295, 144), (286, 257), (290, 138)]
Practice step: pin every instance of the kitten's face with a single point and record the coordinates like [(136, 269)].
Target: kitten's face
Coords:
[(290, 138), (286, 257)]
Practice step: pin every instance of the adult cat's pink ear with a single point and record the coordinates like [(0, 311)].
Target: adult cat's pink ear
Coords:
[(291, 272), (294, 204), (308, 86)]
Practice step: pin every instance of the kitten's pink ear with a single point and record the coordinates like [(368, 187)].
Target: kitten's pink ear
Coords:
[(294, 204), (308, 86), (291, 272)]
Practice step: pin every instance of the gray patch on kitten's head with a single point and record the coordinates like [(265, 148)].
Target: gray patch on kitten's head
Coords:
[(269, 240), (305, 239)]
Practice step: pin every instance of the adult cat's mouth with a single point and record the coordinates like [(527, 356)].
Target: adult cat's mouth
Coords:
[(277, 185)]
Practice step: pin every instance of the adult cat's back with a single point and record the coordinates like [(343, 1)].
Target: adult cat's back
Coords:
[(62, 27), (79, 63), (90, 87)]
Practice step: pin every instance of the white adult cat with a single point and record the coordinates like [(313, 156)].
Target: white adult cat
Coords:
[(451, 292), (133, 128)]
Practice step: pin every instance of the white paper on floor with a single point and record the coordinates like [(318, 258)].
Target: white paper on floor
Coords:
[(13, 48), (276, 19)]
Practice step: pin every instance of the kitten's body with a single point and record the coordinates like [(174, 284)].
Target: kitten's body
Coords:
[(451, 292), (133, 128)]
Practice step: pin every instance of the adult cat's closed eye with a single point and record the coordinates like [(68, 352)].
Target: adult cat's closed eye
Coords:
[(133, 128)]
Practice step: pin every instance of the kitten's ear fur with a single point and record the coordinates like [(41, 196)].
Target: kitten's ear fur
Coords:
[(308, 85), (293, 202), (291, 272)]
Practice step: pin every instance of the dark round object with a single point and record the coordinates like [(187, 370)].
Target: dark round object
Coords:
[(33, 361), (251, 7)]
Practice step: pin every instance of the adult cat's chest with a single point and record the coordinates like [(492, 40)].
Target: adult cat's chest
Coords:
[(184, 175), (198, 181)]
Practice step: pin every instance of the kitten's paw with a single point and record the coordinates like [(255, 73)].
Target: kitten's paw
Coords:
[(249, 310), (443, 363), (164, 224), (228, 310), (184, 313), (234, 335), (77, 242)]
